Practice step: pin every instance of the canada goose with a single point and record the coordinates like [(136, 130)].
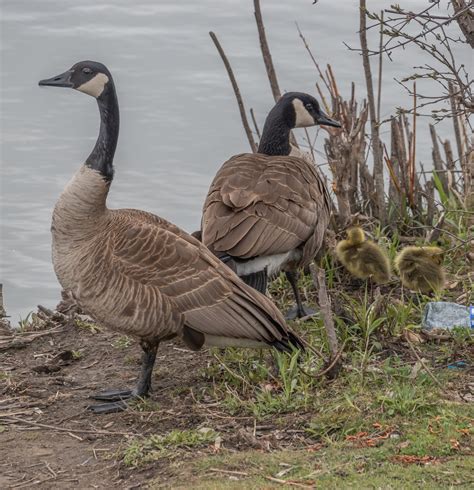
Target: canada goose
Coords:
[(135, 272), (420, 268), (268, 211), (363, 258)]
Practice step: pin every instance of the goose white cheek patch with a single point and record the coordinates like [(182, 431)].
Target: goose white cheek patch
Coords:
[(303, 117), (95, 86)]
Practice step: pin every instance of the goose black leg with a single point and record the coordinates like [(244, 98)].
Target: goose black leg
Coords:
[(118, 399), (299, 310)]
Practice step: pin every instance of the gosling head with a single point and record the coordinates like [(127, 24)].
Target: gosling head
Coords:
[(355, 235), (436, 254), (90, 77), (301, 110)]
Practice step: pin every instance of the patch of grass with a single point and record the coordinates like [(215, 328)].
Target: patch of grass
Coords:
[(31, 322), (4, 375), (86, 325), (144, 405), (76, 354), (327, 468), (131, 360), (25, 323), (406, 399), (154, 447), (462, 336), (122, 342)]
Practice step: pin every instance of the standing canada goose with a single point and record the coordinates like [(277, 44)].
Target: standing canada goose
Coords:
[(138, 274), (363, 258), (268, 211), (420, 268)]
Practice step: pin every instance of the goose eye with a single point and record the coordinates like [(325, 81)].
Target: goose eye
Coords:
[(309, 107), (86, 70)]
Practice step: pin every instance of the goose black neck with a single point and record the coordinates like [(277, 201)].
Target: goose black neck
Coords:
[(275, 136), (102, 156)]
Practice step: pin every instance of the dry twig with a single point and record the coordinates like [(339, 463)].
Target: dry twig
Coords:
[(238, 96), (319, 279)]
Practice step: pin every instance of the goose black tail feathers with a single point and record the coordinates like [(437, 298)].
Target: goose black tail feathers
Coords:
[(289, 345), (257, 280)]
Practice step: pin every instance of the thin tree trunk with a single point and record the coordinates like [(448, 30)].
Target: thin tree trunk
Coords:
[(465, 20), (374, 127), (267, 59)]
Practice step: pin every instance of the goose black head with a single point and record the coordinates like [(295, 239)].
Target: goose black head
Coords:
[(301, 110), (90, 77)]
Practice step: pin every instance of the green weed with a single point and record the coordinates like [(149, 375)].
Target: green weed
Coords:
[(145, 450), (86, 325)]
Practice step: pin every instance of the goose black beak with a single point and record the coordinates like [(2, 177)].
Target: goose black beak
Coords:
[(63, 80), (324, 120)]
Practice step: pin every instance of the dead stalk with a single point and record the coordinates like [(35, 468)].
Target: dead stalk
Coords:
[(319, 279), (374, 126), (235, 86), (2, 308), (267, 57), (413, 151), (379, 89)]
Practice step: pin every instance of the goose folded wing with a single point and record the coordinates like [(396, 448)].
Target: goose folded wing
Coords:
[(262, 205), (213, 300)]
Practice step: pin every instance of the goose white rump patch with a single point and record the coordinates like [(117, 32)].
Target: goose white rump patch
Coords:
[(303, 117), (95, 86), (273, 263)]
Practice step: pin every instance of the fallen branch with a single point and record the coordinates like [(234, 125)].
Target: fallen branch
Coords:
[(289, 482), (63, 429), (425, 367), (228, 472), (19, 340), (329, 366)]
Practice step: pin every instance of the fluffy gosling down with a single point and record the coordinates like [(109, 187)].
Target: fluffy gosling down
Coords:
[(420, 268), (363, 258)]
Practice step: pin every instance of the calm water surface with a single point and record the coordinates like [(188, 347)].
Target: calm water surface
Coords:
[(179, 120)]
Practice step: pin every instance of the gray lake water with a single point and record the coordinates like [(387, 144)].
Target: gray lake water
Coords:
[(179, 119)]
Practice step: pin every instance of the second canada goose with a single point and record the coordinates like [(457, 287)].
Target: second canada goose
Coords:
[(363, 258), (138, 274), (268, 211), (420, 268)]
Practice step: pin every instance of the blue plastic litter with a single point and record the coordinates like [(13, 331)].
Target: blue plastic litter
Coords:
[(443, 314), (458, 365)]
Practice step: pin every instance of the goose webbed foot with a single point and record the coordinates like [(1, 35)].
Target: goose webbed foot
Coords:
[(111, 407), (113, 395), (299, 311), (118, 400)]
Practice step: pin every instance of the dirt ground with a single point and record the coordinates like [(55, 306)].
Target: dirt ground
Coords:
[(48, 438)]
